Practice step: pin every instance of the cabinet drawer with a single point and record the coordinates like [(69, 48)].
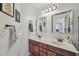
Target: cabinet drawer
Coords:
[(33, 42), (43, 49), (42, 45), (51, 48), (61, 51), (50, 53)]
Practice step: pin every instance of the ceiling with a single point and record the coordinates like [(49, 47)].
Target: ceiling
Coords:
[(37, 5)]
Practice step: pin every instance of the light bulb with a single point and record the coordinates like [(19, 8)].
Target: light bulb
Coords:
[(49, 9), (46, 10), (43, 11), (54, 7)]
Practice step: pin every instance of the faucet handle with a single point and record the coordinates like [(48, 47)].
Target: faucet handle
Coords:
[(60, 40), (39, 36)]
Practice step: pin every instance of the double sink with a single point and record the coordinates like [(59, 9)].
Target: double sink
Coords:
[(57, 43), (54, 41)]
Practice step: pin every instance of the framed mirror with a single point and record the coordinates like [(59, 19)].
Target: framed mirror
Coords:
[(62, 22), (43, 24)]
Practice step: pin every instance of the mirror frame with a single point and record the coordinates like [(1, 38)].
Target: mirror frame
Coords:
[(60, 13)]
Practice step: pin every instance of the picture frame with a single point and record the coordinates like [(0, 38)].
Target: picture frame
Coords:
[(7, 8), (17, 16)]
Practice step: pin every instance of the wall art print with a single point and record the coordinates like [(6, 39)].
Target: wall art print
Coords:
[(17, 16), (7, 8)]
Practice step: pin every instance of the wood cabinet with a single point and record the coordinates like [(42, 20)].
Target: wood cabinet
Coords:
[(42, 49), (51, 53), (35, 50), (42, 54), (34, 47), (59, 51), (31, 47)]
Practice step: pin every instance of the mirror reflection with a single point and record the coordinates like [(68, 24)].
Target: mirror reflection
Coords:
[(60, 25), (42, 24), (62, 22), (30, 26), (40, 28)]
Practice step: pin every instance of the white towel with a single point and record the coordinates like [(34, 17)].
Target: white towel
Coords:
[(12, 36)]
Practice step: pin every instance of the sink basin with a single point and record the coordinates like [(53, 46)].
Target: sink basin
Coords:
[(58, 43)]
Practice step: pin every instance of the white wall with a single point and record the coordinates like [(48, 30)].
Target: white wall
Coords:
[(5, 19), (28, 13), (21, 47)]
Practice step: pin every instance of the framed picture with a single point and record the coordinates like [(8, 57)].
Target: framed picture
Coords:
[(7, 8), (17, 16)]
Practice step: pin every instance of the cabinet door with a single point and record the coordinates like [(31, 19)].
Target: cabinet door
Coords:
[(36, 50), (31, 48), (50, 53), (42, 53)]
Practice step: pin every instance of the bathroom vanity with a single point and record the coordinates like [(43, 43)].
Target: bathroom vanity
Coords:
[(43, 48), (43, 44)]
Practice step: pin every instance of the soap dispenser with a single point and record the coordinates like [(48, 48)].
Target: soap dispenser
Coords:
[(67, 39)]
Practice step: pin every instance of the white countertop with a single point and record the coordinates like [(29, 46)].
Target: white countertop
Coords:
[(66, 46)]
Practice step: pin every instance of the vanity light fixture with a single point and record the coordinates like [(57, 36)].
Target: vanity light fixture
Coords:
[(49, 9)]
